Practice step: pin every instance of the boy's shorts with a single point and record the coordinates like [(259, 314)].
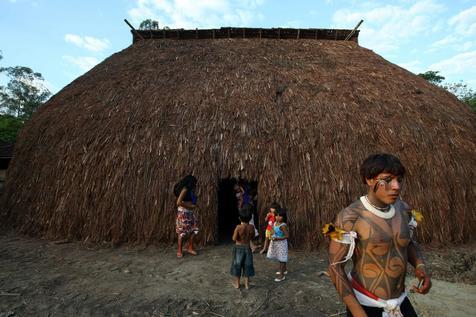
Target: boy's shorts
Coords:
[(242, 261)]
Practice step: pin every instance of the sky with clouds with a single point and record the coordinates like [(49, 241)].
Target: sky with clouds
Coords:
[(64, 39)]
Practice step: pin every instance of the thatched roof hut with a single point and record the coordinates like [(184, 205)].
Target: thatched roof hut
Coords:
[(297, 116)]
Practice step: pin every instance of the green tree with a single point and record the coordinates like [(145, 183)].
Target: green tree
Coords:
[(432, 77), (460, 90), (9, 128), (149, 24), (24, 91), (19, 99), (463, 93)]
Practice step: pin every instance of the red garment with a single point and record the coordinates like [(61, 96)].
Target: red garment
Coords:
[(270, 218), (359, 287)]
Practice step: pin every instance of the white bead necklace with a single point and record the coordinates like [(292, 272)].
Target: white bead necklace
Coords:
[(385, 213)]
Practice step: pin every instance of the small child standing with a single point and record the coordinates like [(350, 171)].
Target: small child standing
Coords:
[(242, 264), (270, 218), (278, 248)]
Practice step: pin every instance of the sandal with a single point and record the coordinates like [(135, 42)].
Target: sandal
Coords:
[(280, 279), (179, 255)]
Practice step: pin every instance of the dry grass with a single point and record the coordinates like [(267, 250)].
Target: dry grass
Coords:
[(99, 160)]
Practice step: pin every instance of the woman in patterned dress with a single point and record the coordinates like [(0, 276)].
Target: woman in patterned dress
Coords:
[(186, 224)]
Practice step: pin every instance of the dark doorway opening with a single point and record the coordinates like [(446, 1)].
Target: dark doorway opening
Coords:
[(228, 205)]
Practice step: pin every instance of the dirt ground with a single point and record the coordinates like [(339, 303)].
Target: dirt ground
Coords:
[(47, 278)]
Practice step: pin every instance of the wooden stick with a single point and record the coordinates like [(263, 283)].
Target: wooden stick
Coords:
[(353, 31), (133, 29), (9, 294)]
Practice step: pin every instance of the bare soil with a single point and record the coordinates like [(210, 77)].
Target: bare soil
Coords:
[(47, 278)]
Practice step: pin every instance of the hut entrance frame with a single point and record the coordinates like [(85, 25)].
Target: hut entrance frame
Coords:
[(227, 210)]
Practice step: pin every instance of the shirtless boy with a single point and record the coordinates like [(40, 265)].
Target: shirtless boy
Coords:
[(378, 224), (242, 256)]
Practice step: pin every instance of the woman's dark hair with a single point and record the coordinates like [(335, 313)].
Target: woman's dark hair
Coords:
[(244, 214), (381, 163), (282, 212), (188, 182)]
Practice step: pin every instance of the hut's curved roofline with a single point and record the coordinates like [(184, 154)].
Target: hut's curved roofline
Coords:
[(100, 159), (242, 32)]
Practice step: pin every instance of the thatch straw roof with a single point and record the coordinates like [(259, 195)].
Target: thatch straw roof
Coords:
[(100, 159)]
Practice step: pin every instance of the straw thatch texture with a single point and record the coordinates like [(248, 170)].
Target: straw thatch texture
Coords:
[(99, 160)]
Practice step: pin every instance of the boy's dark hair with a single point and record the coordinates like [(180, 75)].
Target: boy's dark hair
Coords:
[(244, 214), (282, 212), (381, 163), (275, 205), (189, 182)]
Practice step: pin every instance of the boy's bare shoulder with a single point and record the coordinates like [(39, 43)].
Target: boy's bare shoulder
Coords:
[(347, 217)]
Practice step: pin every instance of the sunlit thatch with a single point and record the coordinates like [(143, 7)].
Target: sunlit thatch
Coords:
[(100, 159)]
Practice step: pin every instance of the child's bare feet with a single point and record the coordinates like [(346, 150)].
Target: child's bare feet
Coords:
[(236, 284), (247, 283), (189, 251)]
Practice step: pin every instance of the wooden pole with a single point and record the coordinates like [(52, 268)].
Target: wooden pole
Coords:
[(353, 31), (133, 29)]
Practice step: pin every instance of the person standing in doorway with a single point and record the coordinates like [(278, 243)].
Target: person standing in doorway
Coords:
[(243, 201)]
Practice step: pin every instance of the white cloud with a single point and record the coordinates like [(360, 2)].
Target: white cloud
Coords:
[(465, 21), (413, 66), (88, 42), (85, 63), (194, 14), (450, 39), (386, 26), (462, 63), (466, 46)]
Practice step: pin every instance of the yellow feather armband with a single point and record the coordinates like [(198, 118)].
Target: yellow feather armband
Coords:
[(339, 235)]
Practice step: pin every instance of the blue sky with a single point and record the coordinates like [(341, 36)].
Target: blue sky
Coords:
[(63, 39)]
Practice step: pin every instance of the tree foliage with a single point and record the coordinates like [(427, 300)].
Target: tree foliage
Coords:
[(24, 92), (19, 99), (149, 24), (432, 77), (9, 128), (460, 90), (463, 93)]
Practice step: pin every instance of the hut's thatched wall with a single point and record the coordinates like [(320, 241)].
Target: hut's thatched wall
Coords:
[(99, 160)]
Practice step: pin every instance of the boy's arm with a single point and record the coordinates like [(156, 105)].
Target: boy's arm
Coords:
[(235, 234), (337, 252), (415, 258)]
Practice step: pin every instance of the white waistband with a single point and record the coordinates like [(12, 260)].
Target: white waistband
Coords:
[(391, 307)]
